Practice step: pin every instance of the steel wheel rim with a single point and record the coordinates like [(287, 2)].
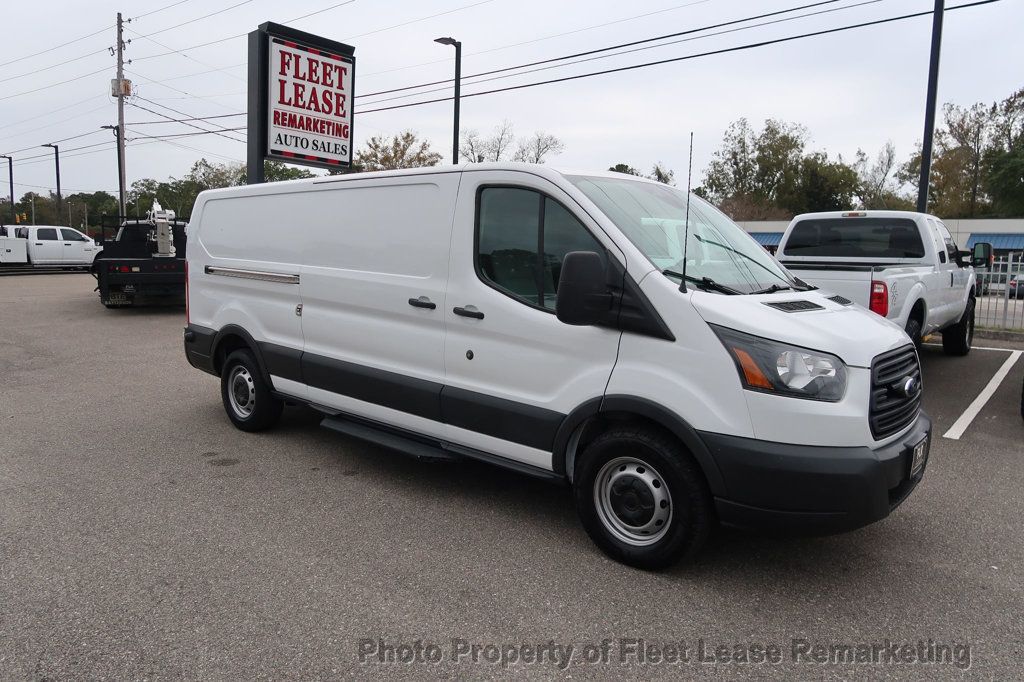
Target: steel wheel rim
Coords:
[(633, 502), (242, 392)]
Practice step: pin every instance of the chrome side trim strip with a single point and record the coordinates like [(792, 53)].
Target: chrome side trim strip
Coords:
[(279, 277)]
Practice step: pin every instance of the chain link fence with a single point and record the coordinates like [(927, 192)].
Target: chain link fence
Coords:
[(1000, 294)]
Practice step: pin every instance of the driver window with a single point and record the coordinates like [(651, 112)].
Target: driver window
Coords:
[(522, 238)]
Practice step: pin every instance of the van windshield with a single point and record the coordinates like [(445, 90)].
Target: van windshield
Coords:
[(653, 218)]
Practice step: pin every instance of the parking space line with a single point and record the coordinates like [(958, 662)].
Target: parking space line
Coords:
[(1004, 350), (961, 424)]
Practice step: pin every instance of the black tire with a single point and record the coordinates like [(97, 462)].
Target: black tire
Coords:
[(957, 340), (914, 330), (246, 396), (642, 470)]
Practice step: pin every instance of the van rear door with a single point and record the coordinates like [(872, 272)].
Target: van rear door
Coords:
[(512, 370)]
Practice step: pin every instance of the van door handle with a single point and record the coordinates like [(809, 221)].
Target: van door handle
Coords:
[(422, 302), (39, 243), (466, 312)]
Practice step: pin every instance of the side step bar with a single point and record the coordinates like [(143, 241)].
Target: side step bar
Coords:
[(388, 439), (428, 450)]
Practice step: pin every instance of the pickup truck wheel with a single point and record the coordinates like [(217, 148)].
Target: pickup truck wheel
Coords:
[(914, 331), (957, 340), (247, 398), (641, 498)]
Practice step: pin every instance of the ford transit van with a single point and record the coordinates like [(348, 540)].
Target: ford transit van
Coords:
[(593, 328)]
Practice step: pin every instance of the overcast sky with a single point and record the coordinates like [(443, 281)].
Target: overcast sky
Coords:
[(851, 89)]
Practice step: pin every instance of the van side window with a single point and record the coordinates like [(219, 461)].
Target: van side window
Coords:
[(46, 234), (522, 239)]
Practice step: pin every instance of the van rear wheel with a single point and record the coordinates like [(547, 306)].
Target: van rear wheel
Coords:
[(246, 396), (642, 498)]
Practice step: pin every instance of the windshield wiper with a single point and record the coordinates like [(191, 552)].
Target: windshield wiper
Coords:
[(772, 289), (703, 282)]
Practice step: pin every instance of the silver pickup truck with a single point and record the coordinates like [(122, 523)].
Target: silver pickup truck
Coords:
[(904, 266)]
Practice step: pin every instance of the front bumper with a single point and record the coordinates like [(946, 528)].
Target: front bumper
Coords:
[(776, 486)]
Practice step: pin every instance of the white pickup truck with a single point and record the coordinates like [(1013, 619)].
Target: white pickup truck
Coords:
[(46, 246), (904, 266)]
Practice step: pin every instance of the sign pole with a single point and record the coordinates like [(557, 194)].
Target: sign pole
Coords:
[(256, 147)]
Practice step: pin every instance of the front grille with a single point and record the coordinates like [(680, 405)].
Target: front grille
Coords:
[(794, 306), (891, 409)]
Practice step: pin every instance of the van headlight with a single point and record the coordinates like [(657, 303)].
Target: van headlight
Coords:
[(773, 367)]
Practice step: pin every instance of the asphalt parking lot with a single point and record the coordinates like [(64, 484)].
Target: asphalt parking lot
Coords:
[(142, 536)]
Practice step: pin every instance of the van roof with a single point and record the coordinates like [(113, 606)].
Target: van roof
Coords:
[(532, 168)]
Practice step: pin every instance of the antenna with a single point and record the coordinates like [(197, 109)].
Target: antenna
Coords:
[(686, 225)]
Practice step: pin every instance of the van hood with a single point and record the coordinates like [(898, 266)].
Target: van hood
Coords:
[(851, 332)]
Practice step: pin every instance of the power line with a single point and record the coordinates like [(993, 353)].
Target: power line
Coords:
[(188, 56), (605, 49), (192, 21), (190, 125), (177, 111), (240, 35), (173, 4), (51, 85), (176, 135), (183, 120), (659, 62), (541, 39), (625, 52), (81, 38), (414, 21), (66, 139), (63, 120)]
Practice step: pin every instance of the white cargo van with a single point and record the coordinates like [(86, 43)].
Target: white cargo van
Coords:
[(540, 320)]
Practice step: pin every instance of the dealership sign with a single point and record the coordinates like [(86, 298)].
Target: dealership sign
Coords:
[(300, 98)]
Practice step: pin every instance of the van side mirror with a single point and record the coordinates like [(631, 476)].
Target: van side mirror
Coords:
[(583, 297), (981, 255)]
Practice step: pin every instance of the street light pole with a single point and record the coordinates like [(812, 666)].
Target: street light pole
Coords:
[(929, 113), (56, 160), (10, 176), (458, 91)]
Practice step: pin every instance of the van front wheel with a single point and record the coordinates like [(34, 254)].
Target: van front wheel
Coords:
[(641, 498), (247, 398)]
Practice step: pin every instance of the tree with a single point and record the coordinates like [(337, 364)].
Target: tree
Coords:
[(821, 185), (1003, 161), (624, 168), (404, 150), (662, 174), (538, 146), (498, 147), (877, 186), (42, 208), (275, 171)]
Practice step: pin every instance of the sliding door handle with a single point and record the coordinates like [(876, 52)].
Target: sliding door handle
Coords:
[(422, 302), (467, 312)]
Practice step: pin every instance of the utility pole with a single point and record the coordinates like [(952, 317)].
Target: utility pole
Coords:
[(10, 175), (929, 109), (121, 89), (33, 200), (56, 161)]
